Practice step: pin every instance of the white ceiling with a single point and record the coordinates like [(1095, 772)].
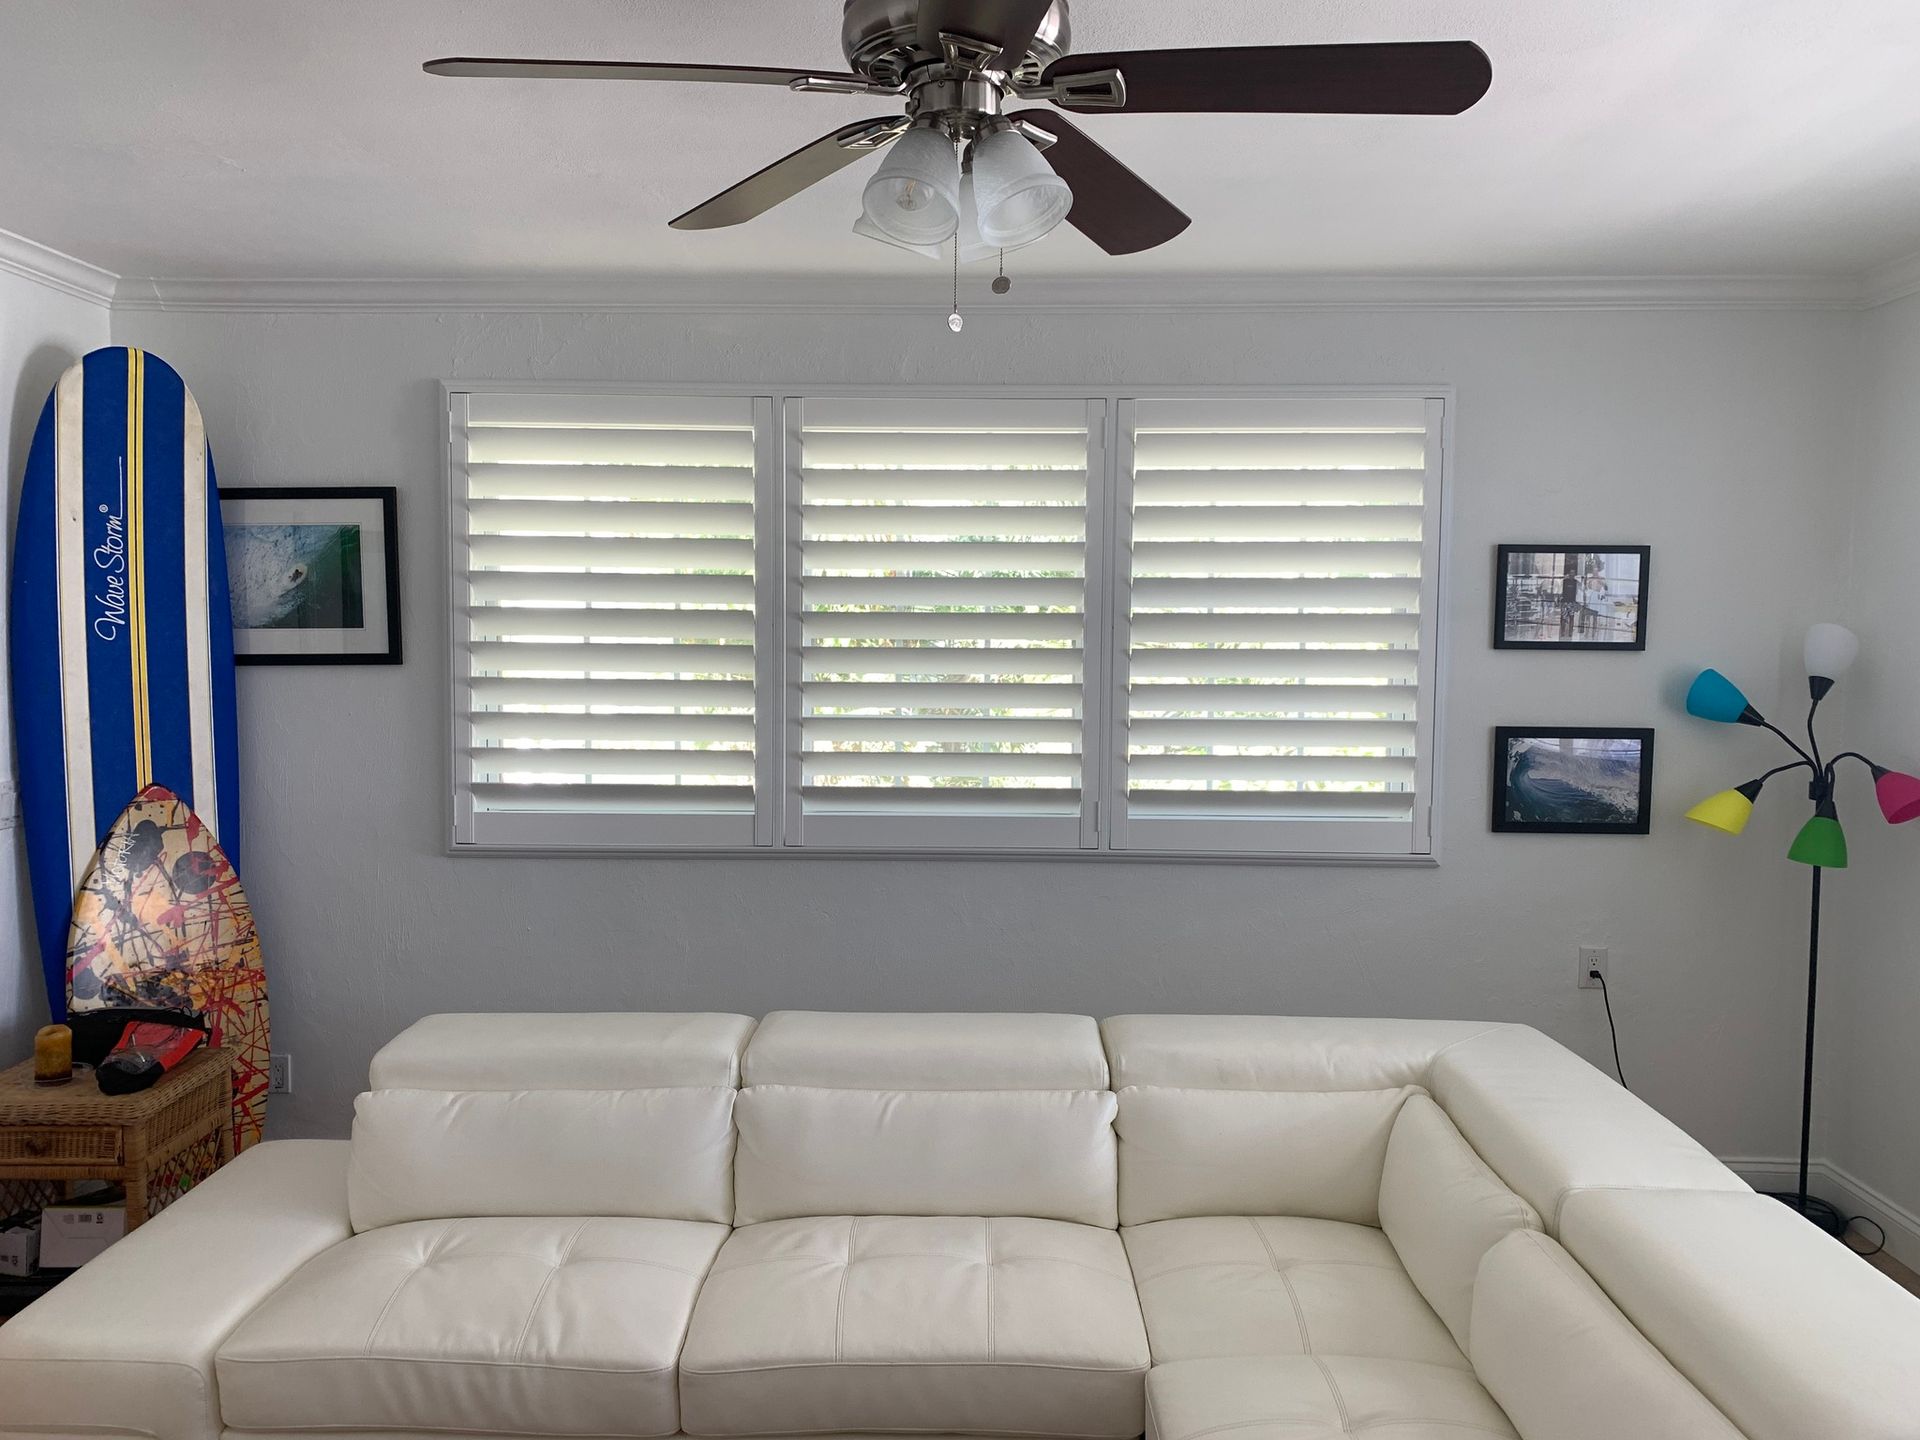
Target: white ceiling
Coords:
[(299, 138)]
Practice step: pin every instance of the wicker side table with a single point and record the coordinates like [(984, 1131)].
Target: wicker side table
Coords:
[(155, 1144)]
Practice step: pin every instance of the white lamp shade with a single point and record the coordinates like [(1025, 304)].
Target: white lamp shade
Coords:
[(1831, 650), (913, 199), (1017, 194)]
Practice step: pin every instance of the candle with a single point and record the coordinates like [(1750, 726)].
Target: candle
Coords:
[(53, 1055)]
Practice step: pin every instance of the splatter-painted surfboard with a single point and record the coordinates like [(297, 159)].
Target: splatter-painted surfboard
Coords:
[(161, 922), (122, 642)]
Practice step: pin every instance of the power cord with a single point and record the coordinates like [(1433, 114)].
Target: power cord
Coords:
[(1827, 1216), (1593, 973)]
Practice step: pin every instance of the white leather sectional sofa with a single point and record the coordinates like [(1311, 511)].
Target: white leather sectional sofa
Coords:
[(974, 1225)]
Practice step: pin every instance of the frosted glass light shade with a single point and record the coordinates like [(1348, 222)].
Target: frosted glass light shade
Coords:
[(1830, 651), (1018, 195), (913, 199)]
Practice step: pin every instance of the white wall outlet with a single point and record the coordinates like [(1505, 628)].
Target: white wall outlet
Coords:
[(1592, 958), (280, 1074)]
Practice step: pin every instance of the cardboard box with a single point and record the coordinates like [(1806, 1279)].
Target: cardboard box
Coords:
[(72, 1232), (20, 1244)]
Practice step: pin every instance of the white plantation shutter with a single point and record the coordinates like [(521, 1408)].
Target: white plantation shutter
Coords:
[(1277, 645), (604, 620), (939, 588)]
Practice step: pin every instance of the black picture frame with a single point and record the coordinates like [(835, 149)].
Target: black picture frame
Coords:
[(1577, 817), (241, 506), (1510, 600)]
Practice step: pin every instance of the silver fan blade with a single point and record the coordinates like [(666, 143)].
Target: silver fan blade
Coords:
[(787, 177), (475, 67)]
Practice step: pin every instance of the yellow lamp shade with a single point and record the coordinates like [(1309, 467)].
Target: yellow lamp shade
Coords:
[(1729, 810)]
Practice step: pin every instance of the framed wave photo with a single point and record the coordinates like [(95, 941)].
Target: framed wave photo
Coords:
[(1572, 780), (1571, 597), (314, 572)]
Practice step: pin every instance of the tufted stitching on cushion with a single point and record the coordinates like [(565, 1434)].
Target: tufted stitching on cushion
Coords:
[(986, 1242), (1333, 1389), (840, 1306), (559, 1264), (433, 1248), (1279, 1266)]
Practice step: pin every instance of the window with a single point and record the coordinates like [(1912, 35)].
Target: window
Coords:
[(1093, 622), (1273, 635), (606, 671), (941, 599)]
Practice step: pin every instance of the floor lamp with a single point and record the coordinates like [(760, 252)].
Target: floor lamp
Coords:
[(1821, 843)]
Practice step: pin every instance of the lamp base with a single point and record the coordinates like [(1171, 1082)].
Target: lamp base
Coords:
[(1816, 1210)]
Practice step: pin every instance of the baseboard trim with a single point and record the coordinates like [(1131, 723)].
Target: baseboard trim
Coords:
[(1842, 1188)]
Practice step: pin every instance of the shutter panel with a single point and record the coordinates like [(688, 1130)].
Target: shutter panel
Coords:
[(604, 646), (1274, 656), (941, 588)]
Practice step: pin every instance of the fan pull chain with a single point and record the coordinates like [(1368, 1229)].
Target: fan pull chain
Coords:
[(954, 322), (1001, 284)]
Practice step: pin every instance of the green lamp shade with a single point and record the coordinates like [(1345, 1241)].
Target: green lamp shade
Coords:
[(1714, 697), (1729, 810), (1820, 842)]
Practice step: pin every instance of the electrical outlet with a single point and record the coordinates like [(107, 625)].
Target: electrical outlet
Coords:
[(1592, 958), (280, 1074)]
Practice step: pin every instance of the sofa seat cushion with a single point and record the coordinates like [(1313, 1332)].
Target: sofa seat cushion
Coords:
[(517, 1326), (1311, 1397), (920, 1324), (1280, 1285)]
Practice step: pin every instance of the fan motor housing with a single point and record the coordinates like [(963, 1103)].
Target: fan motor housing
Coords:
[(885, 39)]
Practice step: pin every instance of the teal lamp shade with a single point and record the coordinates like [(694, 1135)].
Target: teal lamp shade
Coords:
[(1821, 841), (1714, 697)]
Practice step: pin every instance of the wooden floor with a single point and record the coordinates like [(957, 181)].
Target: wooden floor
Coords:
[(1892, 1268)]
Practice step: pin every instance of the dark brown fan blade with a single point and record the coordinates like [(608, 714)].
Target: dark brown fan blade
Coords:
[(1112, 206), (787, 177), (1421, 78), (1018, 32), (500, 69)]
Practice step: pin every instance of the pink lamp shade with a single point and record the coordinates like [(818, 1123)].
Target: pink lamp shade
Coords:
[(1898, 794)]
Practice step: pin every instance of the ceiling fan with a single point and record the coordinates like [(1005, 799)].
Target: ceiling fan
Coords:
[(966, 166)]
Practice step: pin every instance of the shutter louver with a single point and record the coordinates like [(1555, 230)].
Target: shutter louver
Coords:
[(1274, 654), (942, 581), (608, 655)]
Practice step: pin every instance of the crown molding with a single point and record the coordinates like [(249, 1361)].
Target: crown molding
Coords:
[(1893, 281), (839, 295), (57, 271)]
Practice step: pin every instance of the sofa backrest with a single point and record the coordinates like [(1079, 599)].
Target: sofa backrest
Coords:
[(1263, 1115), (875, 1114), (615, 1115), (1553, 1125), (1788, 1334), (1564, 1362)]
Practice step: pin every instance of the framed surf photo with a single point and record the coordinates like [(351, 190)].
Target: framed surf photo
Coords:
[(1571, 597), (1572, 780), (314, 572)]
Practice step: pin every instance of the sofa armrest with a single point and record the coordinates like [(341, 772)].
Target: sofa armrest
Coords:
[(125, 1347)]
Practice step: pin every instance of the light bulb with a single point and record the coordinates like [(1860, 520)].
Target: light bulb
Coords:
[(913, 197)]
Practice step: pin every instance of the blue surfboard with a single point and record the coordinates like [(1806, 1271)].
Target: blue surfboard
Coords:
[(122, 635)]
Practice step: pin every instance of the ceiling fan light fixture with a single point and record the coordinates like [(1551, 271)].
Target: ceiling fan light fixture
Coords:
[(1019, 197), (913, 199)]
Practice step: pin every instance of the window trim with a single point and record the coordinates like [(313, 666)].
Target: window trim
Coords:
[(775, 824)]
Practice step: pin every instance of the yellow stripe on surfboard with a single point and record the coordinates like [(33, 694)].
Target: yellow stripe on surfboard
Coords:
[(137, 563)]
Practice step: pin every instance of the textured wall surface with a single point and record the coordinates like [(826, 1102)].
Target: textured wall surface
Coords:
[(42, 331), (1869, 1059), (1710, 435)]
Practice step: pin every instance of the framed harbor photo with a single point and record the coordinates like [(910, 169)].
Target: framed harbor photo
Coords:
[(1571, 597), (314, 574), (1572, 780)]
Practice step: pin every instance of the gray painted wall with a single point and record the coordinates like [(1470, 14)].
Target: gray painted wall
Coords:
[(1870, 1059), (1720, 437), (42, 331)]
